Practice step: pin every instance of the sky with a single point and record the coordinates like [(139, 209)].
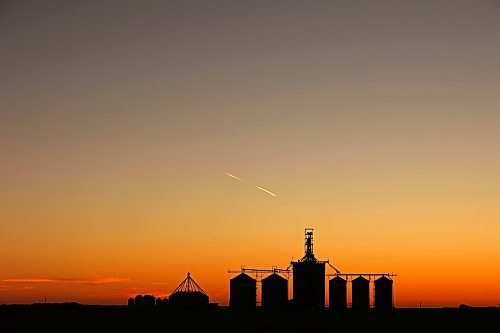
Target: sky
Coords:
[(377, 123)]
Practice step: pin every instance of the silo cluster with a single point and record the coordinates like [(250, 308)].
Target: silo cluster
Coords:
[(308, 287), (142, 302), (360, 293)]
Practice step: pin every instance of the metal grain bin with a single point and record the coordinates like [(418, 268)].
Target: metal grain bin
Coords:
[(274, 292), (189, 295), (383, 293), (360, 293), (338, 293), (242, 292)]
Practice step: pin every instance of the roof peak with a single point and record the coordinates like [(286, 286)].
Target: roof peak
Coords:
[(189, 285)]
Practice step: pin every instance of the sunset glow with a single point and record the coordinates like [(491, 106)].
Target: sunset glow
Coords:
[(141, 141)]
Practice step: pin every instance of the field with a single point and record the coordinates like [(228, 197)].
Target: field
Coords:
[(86, 318)]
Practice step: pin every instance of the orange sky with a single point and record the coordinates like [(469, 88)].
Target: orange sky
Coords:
[(376, 124)]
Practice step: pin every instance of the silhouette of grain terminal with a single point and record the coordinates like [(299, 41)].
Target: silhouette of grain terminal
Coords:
[(309, 277)]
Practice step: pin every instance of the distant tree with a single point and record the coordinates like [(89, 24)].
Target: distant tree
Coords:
[(148, 301), (139, 301)]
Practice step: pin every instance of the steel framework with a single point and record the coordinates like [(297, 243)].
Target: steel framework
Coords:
[(189, 285), (259, 273)]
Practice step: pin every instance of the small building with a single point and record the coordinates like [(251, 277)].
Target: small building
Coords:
[(242, 292), (338, 293), (274, 292), (131, 302), (360, 293)]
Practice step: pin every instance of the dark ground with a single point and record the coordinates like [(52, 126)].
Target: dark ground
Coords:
[(81, 318)]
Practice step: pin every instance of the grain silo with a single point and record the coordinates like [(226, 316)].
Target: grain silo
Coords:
[(309, 278), (274, 292), (188, 295), (360, 293), (338, 293), (383, 293), (242, 292)]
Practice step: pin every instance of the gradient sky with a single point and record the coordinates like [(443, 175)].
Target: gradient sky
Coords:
[(375, 122)]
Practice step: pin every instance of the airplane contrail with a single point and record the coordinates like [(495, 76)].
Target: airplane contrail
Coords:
[(235, 177), (242, 180), (267, 191)]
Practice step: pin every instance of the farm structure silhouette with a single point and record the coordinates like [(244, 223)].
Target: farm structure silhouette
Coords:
[(308, 285)]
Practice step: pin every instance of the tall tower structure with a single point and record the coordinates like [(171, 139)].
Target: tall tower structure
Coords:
[(309, 277)]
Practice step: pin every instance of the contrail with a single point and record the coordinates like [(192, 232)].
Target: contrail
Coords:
[(242, 180), (267, 191), (235, 177)]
